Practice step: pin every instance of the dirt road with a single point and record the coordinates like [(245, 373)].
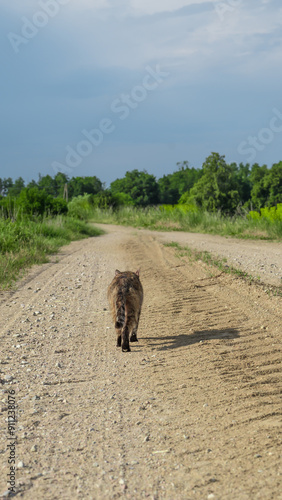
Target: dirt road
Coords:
[(192, 412)]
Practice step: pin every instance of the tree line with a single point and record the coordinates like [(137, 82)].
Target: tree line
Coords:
[(217, 185)]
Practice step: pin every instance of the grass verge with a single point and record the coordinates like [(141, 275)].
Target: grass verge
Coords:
[(25, 242), (198, 221), (221, 264)]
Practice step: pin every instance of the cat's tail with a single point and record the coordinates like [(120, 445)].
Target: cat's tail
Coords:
[(121, 311)]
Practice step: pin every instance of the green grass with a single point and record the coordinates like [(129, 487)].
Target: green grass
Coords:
[(25, 242), (221, 264), (210, 260), (158, 218)]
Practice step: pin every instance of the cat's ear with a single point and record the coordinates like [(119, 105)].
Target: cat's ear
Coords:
[(117, 272), (137, 272)]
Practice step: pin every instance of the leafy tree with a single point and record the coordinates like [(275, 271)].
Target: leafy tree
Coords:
[(60, 181), (16, 187), (56, 206), (273, 184), (242, 180), (48, 184), (32, 184), (123, 199), (141, 186), (104, 199), (173, 186), (169, 193), (6, 185), (216, 189), (34, 201), (259, 192), (84, 185)]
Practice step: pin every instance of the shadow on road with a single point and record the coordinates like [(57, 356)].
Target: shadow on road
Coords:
[(175, 341)]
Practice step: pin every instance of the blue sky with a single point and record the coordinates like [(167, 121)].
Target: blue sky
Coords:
[(101, 87)]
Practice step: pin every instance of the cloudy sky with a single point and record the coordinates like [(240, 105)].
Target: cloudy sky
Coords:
[(99, 87)]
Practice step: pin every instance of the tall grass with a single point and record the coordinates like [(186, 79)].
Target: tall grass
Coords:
[(25, 242), (179, 219)]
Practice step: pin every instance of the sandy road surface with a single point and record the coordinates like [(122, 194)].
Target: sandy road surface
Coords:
[(192, 412)]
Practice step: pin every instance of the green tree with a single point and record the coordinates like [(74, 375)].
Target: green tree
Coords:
[(60, 181), (141, 187), (32, 184), (104, 199), (185, 177), (6, 185), (273, 184), (48, 183), (173, 186), (36, 202), (32, 201), (259, 192), (17, 187), (84, 185), (242, 180), (216, 189)]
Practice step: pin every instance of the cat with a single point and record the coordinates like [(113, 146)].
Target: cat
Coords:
[(125, 296)]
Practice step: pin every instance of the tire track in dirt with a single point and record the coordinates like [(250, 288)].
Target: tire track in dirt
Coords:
[(194, 411), (248, 345)]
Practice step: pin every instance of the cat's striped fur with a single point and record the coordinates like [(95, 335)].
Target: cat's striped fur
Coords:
[(125, 296)]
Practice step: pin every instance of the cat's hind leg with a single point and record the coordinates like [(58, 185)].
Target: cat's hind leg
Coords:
[(133, 336), (118, 332), (125, 339)]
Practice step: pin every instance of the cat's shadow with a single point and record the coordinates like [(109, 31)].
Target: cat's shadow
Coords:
[(183, 339)]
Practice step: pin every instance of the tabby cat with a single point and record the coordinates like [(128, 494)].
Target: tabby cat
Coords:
[(125, 296)]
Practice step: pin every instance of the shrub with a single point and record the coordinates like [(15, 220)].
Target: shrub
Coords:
[(271, 214), (81, 207)]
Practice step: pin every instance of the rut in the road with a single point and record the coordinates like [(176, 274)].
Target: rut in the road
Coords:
[(248, 355)]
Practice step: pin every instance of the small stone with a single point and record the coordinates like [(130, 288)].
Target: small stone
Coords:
[(20, 465), (34, 448), (6, 494)]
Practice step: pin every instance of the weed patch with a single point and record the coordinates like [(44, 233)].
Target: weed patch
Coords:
[(27, 242), (197, 221)]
